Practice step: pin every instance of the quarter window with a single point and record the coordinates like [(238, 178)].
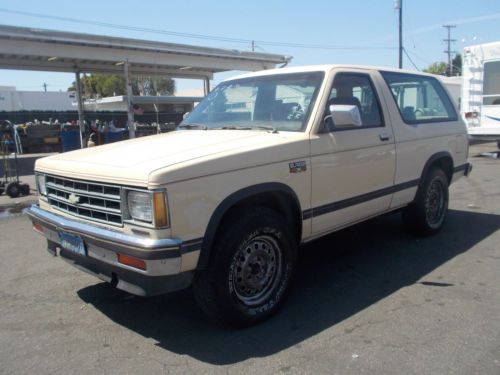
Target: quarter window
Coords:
[(420, 99)]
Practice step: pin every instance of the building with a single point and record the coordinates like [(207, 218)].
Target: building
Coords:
[(13, 100)]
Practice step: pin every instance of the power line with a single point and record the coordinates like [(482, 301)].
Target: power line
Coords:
[(194, 36), (409, 58)]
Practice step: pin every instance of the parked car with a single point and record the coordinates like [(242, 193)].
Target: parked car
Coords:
[(266, 162)]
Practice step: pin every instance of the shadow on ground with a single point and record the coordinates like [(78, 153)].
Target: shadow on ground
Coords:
[(338, 276)]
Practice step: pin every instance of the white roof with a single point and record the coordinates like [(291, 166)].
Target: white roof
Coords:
[(325, 68), (49, 50), (148, 99)]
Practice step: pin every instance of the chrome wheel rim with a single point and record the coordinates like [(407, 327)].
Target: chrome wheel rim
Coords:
[(435, 202), (255, 270)]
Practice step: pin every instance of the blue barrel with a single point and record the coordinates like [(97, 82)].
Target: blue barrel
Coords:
[(70, 140), (111, 137)]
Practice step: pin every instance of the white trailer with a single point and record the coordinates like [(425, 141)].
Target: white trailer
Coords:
[(454, 86), (481, 91)]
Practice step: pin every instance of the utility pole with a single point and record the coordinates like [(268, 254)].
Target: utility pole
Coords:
[(398, 5), (448, 50), (253, 45), (45, 86)]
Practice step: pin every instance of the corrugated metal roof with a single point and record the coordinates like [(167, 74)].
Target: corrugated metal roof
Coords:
[(49, 50)]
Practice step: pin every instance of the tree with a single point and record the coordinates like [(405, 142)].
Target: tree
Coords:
[(102, 85), (441, 68), (456, 65), (154, 85)]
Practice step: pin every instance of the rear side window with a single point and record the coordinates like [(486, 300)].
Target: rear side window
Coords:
[(420, 99), (491, 79)]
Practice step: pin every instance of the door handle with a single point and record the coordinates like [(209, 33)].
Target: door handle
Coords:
[(384, 137)]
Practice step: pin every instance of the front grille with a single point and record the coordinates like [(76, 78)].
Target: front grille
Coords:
[(89, 200)]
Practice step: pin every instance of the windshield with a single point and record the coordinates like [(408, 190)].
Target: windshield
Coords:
[(277, 102)]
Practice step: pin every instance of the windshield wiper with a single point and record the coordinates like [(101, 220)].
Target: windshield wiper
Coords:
[(193, 126), (232, 128), (271, 129)]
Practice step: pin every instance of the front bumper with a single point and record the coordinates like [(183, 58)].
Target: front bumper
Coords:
[(162, 257)]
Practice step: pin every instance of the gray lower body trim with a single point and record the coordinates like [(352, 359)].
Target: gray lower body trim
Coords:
[(144, 248), (127, 280), (335, 206)]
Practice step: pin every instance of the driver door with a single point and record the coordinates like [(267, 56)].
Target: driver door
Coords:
[(352, 166)]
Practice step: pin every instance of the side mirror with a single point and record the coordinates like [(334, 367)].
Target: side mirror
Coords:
[(344, 115), (186, 114)]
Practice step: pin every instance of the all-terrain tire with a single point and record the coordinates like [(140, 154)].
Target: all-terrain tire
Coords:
[(426, 215), (250, 269)]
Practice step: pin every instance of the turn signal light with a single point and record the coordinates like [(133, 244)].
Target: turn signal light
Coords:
[(37, 227), (160, 209), (132, 262)]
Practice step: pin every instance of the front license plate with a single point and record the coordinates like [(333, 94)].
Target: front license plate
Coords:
[(72, 242)]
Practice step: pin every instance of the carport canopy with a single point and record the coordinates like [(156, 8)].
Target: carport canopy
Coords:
[(59, 51)]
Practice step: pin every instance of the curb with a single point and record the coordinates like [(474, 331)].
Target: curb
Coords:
[(19, 204)]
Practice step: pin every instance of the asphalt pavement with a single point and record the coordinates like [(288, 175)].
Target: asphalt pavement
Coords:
[(369, 299), (25, 170)]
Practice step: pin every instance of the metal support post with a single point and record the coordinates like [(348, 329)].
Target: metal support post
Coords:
[(206, 86), (398, 5), (80, 107), (130, 104)]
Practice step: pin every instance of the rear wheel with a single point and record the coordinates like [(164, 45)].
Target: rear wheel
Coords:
[(250, 270), (426, 215)]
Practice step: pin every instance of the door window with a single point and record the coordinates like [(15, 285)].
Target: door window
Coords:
[(355, 89)]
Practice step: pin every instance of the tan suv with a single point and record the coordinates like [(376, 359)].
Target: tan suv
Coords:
[(265, 162)]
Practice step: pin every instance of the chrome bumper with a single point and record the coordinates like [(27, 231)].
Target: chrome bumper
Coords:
[(161, 256)]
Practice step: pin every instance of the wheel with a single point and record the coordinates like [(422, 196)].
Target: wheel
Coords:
[(24, 189), (426, 215), (12, 189), (250, 270), (2, 187)]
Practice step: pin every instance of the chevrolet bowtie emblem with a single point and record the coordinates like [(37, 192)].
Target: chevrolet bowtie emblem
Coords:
[(73, 198)]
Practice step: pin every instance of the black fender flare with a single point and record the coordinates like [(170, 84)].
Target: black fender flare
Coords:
[(230, 201), (430, 162)]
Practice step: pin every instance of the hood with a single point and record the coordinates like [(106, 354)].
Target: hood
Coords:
[(131, 162)]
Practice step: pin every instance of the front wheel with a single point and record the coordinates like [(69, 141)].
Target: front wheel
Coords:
[(250, 269), (426, 215)]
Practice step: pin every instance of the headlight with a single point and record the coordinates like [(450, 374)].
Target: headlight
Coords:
[(140, 206), (150, 207), (40, 183)]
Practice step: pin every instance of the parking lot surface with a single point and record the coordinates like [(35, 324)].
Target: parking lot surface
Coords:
[(369, 299)]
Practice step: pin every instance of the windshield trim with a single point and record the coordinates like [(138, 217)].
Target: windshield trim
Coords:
[(316, 74)]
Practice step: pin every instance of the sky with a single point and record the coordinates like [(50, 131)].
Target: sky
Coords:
[(328, 31)]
